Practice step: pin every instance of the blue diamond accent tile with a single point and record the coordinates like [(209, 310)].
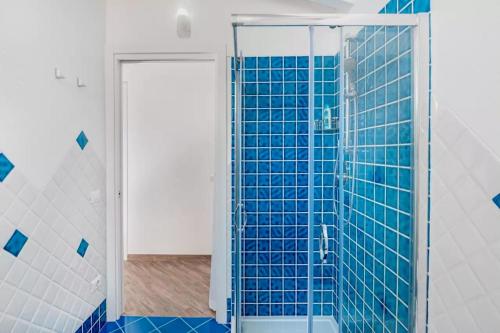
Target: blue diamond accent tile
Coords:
[(82, 248), (16, 243), (496, 200), (6, 167), (82, 140)]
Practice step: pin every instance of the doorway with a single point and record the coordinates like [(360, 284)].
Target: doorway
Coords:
[(168, 110)]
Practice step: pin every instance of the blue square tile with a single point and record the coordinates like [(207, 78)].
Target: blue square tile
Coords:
[(95, 316), (290, 75), (277, 62), (16, 243), (249, 75), (82, 140), (302, 75), (329, 62), (250, 62), (290, 62), (82, 248), (422, 6), (102, 307), (276, 76), (263, 62), (6, 167), (302, 62), (87, 325)]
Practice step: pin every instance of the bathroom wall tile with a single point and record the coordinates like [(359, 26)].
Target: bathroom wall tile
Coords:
[(46, 288), (465, 200), (6, 167), (275, 153), (378, 229), (82, 140), (16, 243)]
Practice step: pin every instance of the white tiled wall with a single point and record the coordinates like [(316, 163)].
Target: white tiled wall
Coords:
[(48, 287), (465, 230)]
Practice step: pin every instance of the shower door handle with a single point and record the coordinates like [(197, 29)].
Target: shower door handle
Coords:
[(323, 243), (245, 218), (240, 208)]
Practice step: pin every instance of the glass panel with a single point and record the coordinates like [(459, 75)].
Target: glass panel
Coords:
[(295, 254), (325, 257), (377, 258), (274, 179)]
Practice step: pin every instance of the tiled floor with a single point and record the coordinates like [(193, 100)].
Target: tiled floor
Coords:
[(132, 324)]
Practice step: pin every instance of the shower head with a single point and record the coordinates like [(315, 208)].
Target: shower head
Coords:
[(350, 66), (351, 69)]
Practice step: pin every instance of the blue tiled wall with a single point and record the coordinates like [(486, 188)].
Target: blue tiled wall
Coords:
[(379, 236), (275, 179), (326, 91)]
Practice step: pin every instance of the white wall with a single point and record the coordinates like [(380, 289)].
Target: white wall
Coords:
[(150, 26), (170, 135), (47, 114), (287, 41), (48, 287), (465, 223)]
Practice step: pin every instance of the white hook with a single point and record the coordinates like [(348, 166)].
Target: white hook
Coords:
[(58, 74), (80, 83)]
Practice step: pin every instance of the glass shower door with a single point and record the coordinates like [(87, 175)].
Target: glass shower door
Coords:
[(377, 235), (273, 270), (324, 238), (325, 218)]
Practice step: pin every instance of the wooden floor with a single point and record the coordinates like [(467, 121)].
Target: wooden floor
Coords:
[(174, 286)]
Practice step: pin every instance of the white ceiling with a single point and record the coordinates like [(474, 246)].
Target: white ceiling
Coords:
[(352, 6), (340, 5)]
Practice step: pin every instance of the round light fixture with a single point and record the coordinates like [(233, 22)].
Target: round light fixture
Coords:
[(183, 23)]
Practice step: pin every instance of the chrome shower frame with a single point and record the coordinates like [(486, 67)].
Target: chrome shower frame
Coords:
[(421, 122)]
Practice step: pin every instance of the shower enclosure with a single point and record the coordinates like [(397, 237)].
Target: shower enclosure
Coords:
[(329, 186)]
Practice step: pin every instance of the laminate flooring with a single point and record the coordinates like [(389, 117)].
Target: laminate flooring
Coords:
[(175, 286)]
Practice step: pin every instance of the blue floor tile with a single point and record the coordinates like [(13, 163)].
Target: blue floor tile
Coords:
[(160, 321), (134, 324), (125, 320), (195, 322), (211, 327), (142, 325), (176, 326), (111, 327)]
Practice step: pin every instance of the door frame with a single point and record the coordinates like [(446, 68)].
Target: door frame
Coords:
[(115, 166)]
